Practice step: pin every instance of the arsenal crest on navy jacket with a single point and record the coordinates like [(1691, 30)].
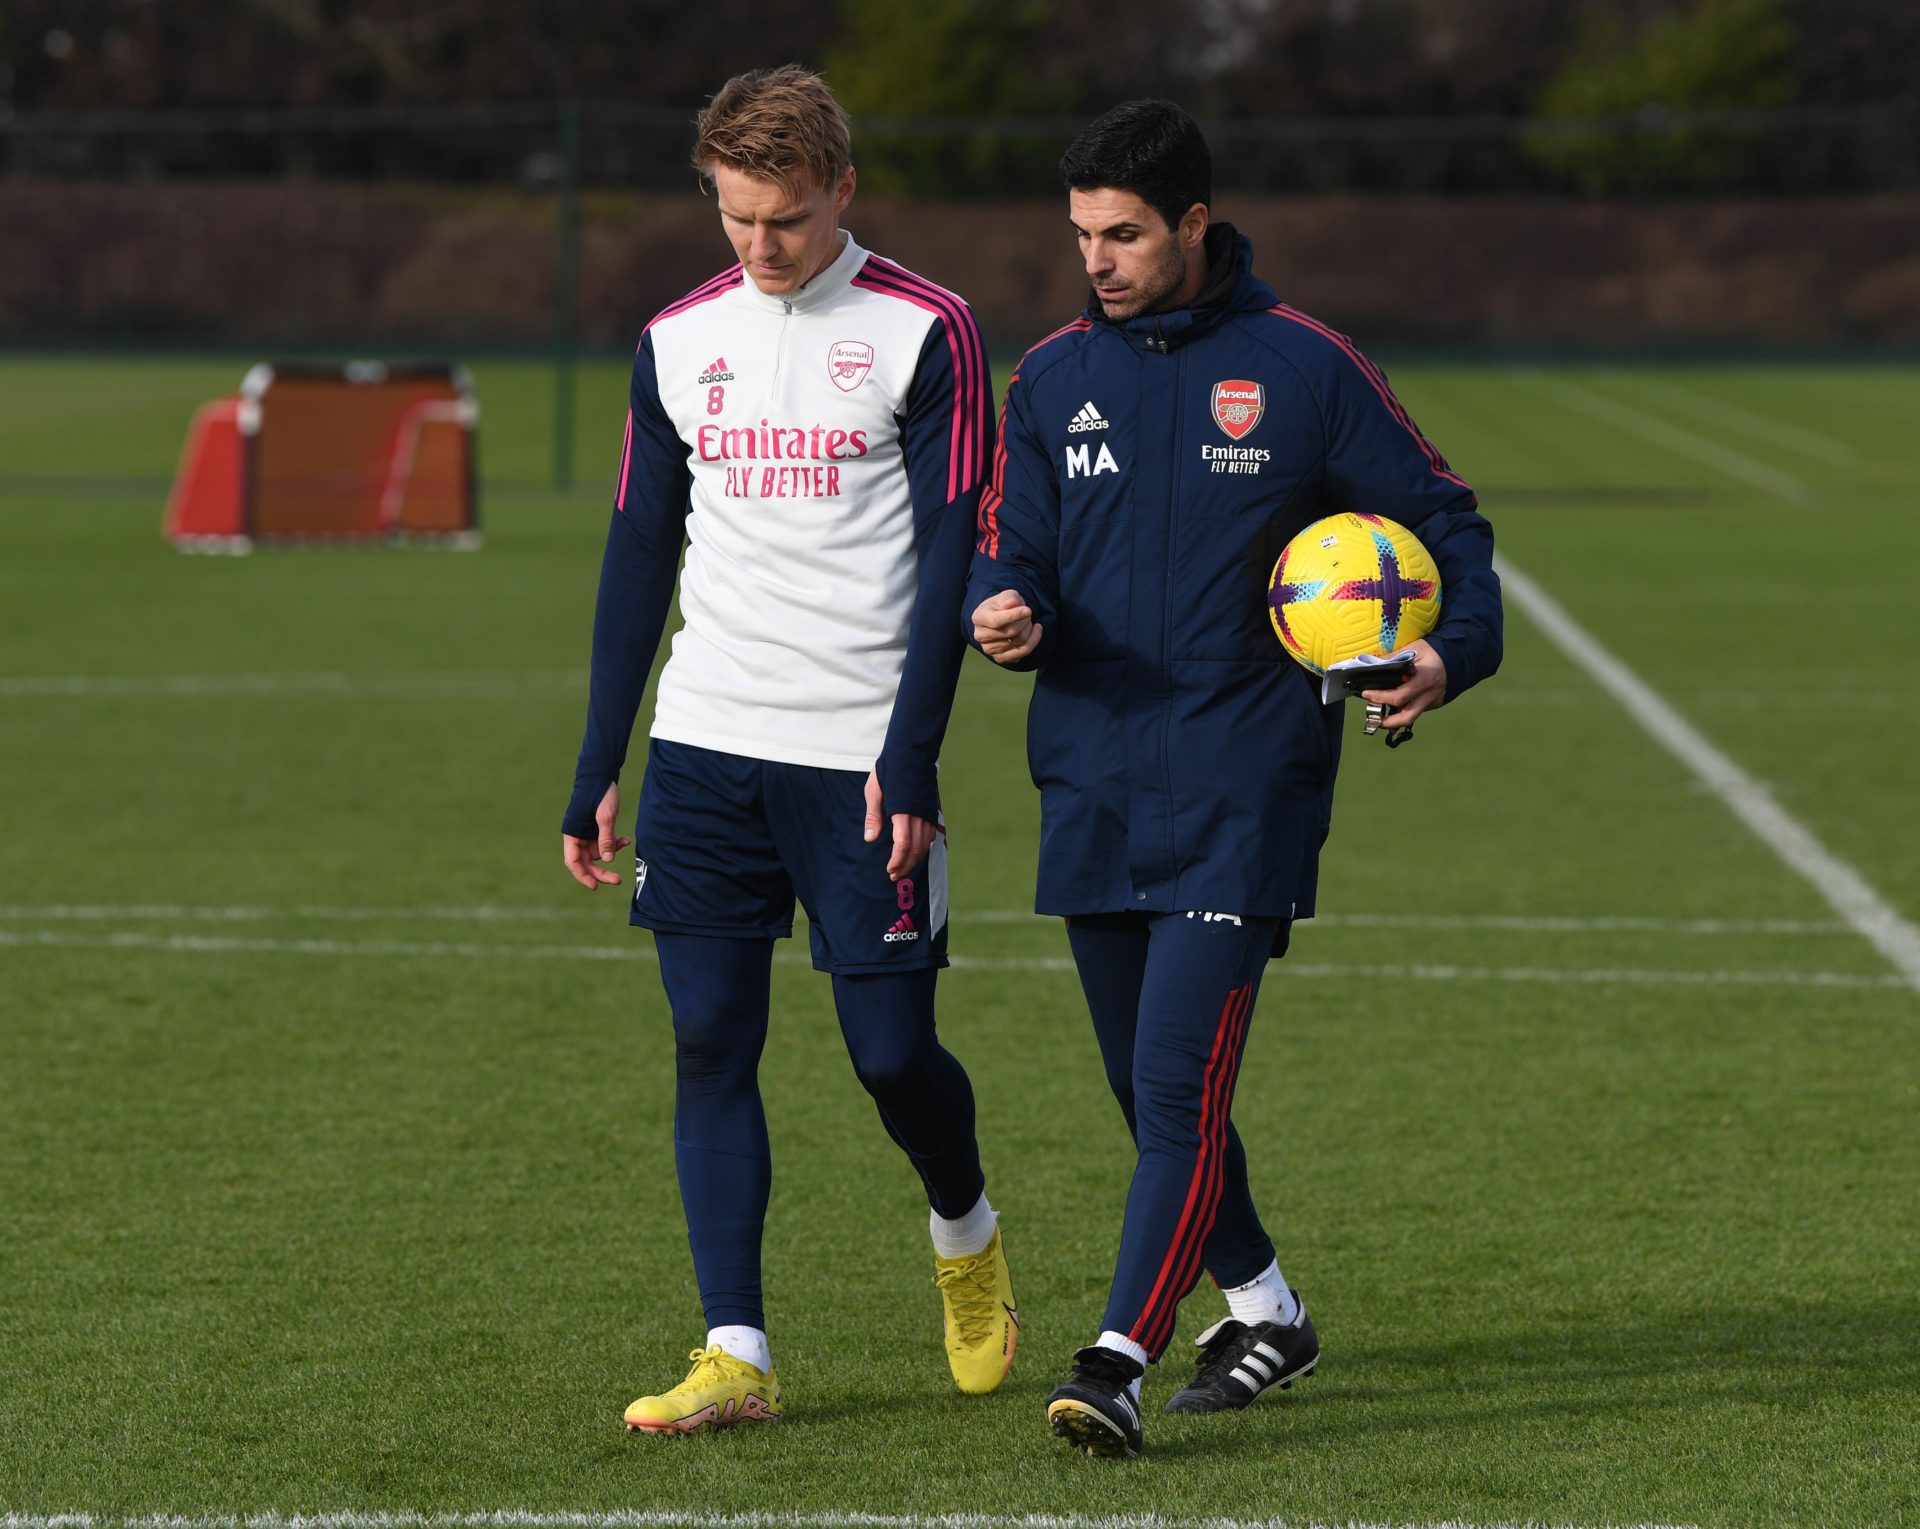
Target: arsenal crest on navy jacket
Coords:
[(1147, 476)]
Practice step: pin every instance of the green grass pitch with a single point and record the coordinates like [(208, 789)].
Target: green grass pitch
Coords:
[(335, 1150)]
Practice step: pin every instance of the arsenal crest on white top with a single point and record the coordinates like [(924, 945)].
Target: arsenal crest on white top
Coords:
[(848, 362)]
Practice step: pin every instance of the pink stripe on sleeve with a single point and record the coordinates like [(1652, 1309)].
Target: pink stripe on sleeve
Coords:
[(993, 495), (961, 469), (964, 336), (705, 292), (626, 457), (964, 452), (1378, 381)]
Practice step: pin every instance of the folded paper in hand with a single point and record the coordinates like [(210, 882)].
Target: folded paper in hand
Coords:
[(1352, 675)]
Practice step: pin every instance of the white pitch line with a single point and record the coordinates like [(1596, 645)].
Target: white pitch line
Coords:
[(1843, 888), (297, 912), (476, 685), (1651, 427), (1750, 422), (480, 687), (1548, 924), (664, 1518), (586, 919), (339, 685), (636, 951), (211, 944)]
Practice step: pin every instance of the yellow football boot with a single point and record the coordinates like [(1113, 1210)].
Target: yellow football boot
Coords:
[(982, 1324), (718, 1392)]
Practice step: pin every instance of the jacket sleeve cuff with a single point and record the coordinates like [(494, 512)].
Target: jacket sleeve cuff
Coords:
[(908, 783), (580, 822), (1454, 653)]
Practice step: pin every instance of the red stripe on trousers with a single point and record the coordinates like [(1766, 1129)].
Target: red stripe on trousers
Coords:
[(1188, 1274), (1210, 1081)]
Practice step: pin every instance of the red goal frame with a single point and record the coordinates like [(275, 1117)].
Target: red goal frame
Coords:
[(356, 452)]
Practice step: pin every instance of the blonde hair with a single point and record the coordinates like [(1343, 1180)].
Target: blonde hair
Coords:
[(781, 125)]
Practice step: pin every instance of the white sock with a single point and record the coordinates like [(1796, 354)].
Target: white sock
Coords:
[(1120, 1343), (748, 1343), (1264, 1298), (968, 1235)]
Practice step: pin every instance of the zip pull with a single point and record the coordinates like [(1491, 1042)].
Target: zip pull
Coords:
[(1159, 340), (787, 302)]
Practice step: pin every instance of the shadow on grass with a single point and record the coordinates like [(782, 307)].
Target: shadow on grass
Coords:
[(1799, 1356)]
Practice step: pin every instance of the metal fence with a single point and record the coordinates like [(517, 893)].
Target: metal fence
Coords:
[(558, 226), (1828, 150)]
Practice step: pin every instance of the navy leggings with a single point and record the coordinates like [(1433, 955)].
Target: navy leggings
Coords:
[(1171, 996), (719, 992)]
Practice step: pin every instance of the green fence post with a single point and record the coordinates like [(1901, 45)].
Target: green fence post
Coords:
[(566, 283)]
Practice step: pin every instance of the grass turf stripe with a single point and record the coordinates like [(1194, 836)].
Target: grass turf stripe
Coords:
[(1735, 464), (475, 684), (193, 944), (1845, 890), (662, 1518), (491, 914), (1744, 421)]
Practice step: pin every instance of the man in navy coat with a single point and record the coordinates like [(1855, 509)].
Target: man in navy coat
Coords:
[(1154, 457)]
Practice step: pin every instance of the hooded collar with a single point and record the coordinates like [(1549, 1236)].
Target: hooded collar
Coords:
[(1230, 288), (822, 289)]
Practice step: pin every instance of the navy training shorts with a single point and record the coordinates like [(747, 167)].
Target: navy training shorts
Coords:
[(723, 844)]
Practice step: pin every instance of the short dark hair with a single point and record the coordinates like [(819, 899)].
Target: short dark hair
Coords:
[(1151, 148), (780, 125)]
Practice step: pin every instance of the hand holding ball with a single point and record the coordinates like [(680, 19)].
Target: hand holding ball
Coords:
[(1352, 584)]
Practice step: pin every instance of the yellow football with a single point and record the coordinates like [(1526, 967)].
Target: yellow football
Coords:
[(1352, 584)]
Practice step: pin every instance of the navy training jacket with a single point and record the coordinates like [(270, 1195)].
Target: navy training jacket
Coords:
[(1183, 758)]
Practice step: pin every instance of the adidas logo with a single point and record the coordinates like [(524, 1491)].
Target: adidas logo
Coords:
[(1089, 418), (902, 931), (716, 372), (1217, 918)]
